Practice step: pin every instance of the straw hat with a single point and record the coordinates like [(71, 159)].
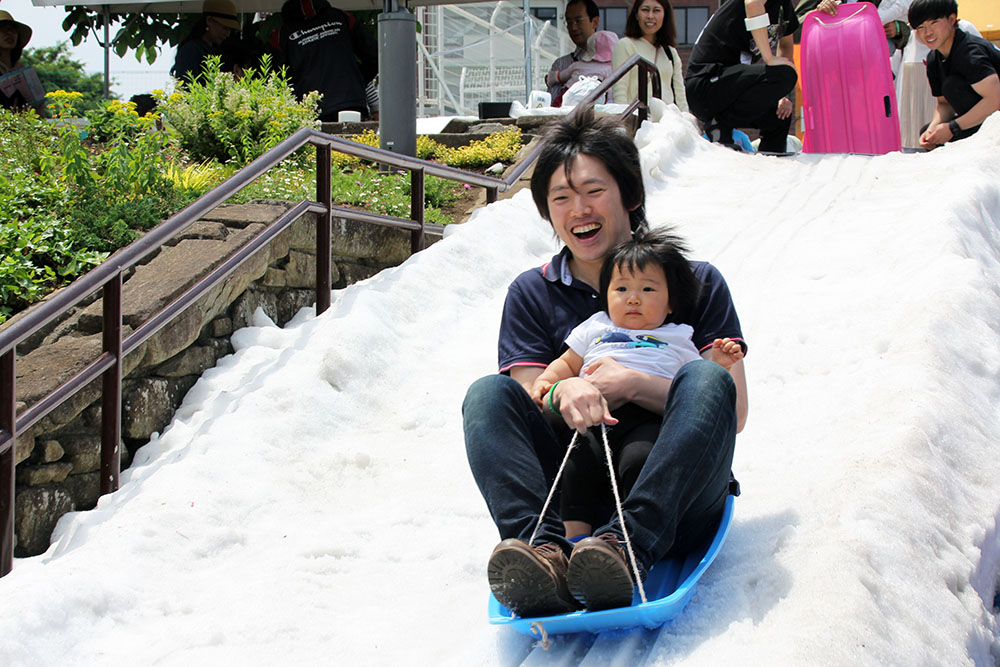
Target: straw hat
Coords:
[(23, 31), (223, 11)]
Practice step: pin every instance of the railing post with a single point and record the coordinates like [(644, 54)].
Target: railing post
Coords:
[(7, 459), (492, 194), (111, 389), (417, 208), (324, 223), (643, 94)]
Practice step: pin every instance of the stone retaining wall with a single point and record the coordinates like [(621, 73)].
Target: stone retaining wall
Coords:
[(58, 459)]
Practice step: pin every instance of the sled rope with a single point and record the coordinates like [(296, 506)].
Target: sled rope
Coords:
[(539, 628), (552, 491), (621, 516), (618, 504)]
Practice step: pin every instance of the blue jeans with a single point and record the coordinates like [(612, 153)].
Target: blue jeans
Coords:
[(676, 502)]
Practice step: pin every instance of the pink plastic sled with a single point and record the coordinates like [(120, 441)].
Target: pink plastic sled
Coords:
[(848, 97)]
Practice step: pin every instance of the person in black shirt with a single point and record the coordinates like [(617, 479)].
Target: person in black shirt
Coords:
[(327, 50), (741, 71), (962, 70)]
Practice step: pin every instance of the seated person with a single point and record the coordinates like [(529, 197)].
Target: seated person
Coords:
[(650, 32), (962, 70), (217, 23), (582, 18), (595, 60), (735, 77)]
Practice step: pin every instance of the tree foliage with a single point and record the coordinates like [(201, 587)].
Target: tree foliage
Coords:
[(57, 71)]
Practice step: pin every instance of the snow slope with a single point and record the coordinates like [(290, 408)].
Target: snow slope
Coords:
[(311, 502)]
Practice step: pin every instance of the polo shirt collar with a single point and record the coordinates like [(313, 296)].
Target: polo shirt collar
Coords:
[(557, 270)]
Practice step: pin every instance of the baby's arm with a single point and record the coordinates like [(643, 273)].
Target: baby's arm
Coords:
[(726, 352), (566, 366)]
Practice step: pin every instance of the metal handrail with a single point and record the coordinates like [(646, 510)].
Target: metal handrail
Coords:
[(109, 277)]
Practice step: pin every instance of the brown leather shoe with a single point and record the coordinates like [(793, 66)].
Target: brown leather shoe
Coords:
[(599, 574), (530, 581)]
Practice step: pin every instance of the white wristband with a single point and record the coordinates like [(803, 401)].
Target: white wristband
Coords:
[(761, 21)]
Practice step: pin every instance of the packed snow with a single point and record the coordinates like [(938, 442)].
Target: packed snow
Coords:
[(311, 501)]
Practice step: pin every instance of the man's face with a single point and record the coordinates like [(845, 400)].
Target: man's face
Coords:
[(937, 33), (589, 217), (580, 26)]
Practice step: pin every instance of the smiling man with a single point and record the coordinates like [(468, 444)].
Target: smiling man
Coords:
[(587, 183), (961, 69)]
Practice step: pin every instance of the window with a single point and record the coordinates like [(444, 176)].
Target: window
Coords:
[(544, 14), (613, 19), (690, 21)]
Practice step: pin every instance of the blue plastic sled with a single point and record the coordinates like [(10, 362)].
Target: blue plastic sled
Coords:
[(669, 587)]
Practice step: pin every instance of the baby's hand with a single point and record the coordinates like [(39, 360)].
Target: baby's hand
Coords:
[(726, 352), (539, 390)]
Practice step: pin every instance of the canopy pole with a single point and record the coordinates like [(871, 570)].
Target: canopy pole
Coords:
[(107, 52), (527, 51)]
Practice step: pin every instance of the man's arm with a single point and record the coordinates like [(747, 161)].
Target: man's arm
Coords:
[(740, 378), (937, 131), (989, 90)]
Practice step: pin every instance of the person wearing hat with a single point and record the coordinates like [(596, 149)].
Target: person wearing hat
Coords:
[(217, 22), (13, 38)]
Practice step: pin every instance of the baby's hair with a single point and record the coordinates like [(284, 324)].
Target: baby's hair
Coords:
[(663, 247)]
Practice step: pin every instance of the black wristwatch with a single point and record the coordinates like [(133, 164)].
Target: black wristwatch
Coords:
[(953, 126)]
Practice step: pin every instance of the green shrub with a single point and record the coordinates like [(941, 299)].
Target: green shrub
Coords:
[(219, 117), (497, 147)]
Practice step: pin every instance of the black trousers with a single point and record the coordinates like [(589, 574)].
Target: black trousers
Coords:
[(585, 488), (744, 96)]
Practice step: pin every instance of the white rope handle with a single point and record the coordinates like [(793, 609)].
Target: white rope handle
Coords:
[(618, 504), (621, 516), (552, 491)]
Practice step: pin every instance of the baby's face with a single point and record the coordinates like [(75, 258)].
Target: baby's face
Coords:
[(638, 299)]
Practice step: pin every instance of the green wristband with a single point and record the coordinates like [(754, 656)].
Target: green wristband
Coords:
[(552, 408)]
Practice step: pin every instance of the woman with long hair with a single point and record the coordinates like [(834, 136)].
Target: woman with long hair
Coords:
[(650, 32)]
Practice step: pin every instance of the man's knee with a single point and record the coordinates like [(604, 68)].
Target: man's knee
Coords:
[(783, 76), (705, 380)]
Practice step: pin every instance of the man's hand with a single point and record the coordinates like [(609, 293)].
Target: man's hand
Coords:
[(581, 404), (936, 135), (784, 108), (890, 29), (611, 379)]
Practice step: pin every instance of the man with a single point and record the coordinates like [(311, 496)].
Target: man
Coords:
[(962, 70), (582, 17), (741, 71), (327, 50), (587, 182)]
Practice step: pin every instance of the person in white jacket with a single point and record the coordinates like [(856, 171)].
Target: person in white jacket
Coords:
[(650, 32)]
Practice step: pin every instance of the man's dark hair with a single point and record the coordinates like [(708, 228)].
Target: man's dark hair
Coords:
[(922, 11), (661, 247), (603, 138), (592, 11), (665, 36)]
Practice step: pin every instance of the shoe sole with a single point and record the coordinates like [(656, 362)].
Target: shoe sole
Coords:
[(598, 579), (524, 585)]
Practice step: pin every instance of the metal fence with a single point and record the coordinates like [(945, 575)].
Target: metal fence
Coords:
[(109, 279)]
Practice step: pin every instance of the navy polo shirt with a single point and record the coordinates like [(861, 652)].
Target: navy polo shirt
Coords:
[(544, 304)]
